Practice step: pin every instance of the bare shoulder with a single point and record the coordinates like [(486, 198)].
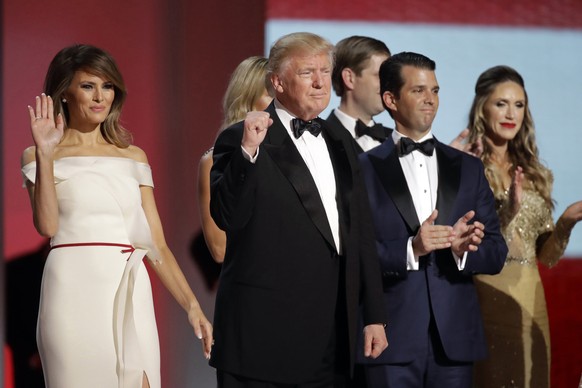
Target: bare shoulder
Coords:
[(136, 153), (205, 163), (28, 155), (206, 157)]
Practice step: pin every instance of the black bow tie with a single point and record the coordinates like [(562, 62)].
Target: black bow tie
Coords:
[(408, 145), (376, 131), (299, 126)]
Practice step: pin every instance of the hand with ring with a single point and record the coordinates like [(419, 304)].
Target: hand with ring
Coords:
[(46, 130)]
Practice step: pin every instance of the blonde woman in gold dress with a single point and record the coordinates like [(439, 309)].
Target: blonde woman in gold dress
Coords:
[(513, 303)]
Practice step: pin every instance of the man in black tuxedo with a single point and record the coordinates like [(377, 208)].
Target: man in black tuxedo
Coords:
[(300, 253), (355, 80), (436, 227)]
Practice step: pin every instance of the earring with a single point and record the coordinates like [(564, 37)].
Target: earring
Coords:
[(64, 100)]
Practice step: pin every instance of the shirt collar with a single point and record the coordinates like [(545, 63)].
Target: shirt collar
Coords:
[(397, 135)]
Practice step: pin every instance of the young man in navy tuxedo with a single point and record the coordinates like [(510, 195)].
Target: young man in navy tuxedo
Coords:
[(436, 227)]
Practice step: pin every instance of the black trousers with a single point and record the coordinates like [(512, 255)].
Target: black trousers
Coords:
[(332, 372), (334, 369)]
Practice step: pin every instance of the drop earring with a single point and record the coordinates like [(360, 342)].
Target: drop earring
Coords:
[(64, 100)]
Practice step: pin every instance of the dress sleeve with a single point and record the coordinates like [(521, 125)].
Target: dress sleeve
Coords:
[(144, 175), (28, 173)]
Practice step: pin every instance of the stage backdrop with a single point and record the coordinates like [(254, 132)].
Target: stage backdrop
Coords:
[(176, 57), (541, 39)]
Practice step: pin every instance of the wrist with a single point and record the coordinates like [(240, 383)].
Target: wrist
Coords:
[(46, 153), (250, 150), (564, 227)]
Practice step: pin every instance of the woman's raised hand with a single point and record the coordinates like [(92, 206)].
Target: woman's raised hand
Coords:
[(46, 130), (516, 190)]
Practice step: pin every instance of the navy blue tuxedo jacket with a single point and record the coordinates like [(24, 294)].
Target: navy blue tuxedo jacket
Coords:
[(438, 288)]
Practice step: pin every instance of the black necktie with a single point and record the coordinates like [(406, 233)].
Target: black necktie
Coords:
[(299, 126), (408, 145), (376, 131)]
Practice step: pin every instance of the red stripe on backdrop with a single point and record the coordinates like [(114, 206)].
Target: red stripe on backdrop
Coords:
[(518, 13)]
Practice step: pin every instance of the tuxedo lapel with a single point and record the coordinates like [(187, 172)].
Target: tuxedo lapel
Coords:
[(449, 170), (342, 172), (389, 171), (333, 122), (284, 154)]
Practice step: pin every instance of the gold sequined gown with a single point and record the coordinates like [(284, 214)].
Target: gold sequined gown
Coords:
[(513, 302)]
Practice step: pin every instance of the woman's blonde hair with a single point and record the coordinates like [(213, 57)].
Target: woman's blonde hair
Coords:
[(522, 149), (93, 60), (246, 86)]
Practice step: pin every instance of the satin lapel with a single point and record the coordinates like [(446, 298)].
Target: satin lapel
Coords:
[(358, 147), (449, 170), (284, 154), (333, 122), (390, 174), (342, 171)]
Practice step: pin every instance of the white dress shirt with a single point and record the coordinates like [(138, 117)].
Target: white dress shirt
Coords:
[(421, 173), (315, 154)]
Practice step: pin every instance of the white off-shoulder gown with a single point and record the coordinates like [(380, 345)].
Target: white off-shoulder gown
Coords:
[(96, 323)]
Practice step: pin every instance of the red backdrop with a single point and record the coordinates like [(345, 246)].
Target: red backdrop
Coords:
[(176, 57)]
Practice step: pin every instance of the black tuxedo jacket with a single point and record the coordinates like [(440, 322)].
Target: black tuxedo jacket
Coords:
[(276, 302), (438, 290)]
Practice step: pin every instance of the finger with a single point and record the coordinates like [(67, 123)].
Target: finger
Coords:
[(518, 174), (209, 339), (31, 113), (463, 135), (43, 106), (438, 230), (440, 245), (475, 239), (197, 329), (479, 234), (60, 122), (38, 109), (479, 146), (50, 105), (468, 216), (436, 234), (472, 248), (433, 216), (375, 352), (367, 344), (377, 348), (479, 225), (207, 345)]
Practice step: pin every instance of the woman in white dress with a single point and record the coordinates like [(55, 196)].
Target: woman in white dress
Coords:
[(92, 194)]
